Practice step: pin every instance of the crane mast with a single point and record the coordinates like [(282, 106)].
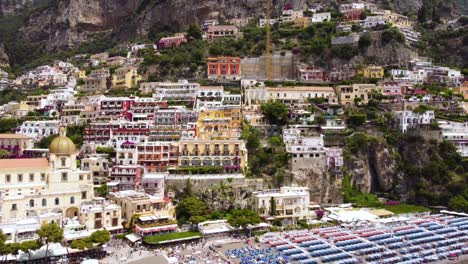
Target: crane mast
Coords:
[(268, 40)]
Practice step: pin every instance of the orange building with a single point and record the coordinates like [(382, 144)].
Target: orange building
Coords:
[(224, 67), (464, 90)]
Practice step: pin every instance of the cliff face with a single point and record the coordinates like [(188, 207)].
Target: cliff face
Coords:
[(411, 168), (4, 60), (71, 22)]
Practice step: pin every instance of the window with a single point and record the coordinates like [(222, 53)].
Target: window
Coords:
[(14, 207), (64, 162), (31, 203), (44, 202), (31, 177), (8, 178), (83, 195), (20, 177), (57, 201), (43, 177), (72, 200), (64, 176)]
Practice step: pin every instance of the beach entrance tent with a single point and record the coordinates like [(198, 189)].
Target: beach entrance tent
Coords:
[(133, 237)]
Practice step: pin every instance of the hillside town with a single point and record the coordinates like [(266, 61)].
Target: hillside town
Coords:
[(120, 156)]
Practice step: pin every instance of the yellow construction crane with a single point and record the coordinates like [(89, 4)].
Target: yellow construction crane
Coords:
[(268, 40)]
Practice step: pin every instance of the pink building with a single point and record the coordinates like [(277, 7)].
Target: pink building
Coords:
[(171, 42), (307, 73)]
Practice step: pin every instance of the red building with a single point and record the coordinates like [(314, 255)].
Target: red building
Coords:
[(224, 67), (352, 14), (98, 133), (307, 73), (171, 42)]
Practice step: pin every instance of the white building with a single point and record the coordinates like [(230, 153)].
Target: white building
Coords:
[(457, 134), (34, 187), (292, 203), (321, 17), (408, 119), (153, 183), (291, 15), (373, 21), (39, 129), (263, 21), (288, 94), (180, 90)]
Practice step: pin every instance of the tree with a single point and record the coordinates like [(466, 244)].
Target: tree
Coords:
[(189, 207), (272, 206), (102, 190), (275, 112), (364, 42), (243, 218), (81, 244), (4, 153), (45, 142), (4, 248), (50, 233), (460, 202), (194, 32), (29, 246), (100, 237), (195, 220), (8, 124)]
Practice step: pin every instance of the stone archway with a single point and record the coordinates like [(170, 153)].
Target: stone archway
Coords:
[(71, 212)]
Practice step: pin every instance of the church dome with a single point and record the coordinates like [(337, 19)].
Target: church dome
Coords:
[(62, 145)]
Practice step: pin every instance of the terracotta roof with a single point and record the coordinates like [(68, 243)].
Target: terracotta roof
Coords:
[(19, 136), (23, 163)]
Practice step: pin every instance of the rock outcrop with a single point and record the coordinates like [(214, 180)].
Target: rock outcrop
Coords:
[(4, 60), (71, 22)]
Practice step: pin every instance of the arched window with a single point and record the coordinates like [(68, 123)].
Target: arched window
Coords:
[(57, 201), (72, 200), (31, 203), (44, 202)]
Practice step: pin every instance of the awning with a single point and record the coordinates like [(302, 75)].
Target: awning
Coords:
[(133, 237)]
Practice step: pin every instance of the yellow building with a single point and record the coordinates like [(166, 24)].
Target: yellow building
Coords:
[(126, 77), (302, 22), (376, 72), (150, 214), (219, 122), (231, 155), (348, 93)]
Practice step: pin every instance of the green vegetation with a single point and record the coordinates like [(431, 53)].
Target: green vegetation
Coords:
[(198, 170), (356, 197), (275, 112), (44, 143), (190, 207), (405, 208), (106, 150), (98, 237), (50, 233), (243, 218), (460, 202), (156, 239), (75, 133), (102, 191), (7, 125)]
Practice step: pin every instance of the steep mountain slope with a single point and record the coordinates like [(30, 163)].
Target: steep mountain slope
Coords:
[(67, 23)]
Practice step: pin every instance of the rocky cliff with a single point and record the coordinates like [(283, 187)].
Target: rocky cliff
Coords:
[(4, 60), (70, 22), (406, 167)]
